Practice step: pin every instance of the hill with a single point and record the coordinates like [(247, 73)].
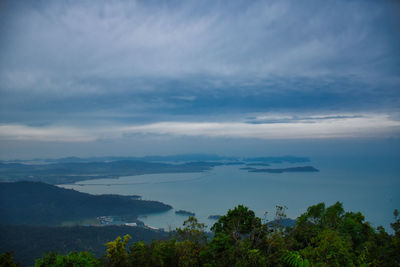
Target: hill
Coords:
[(36, 203), (70, 172), (31, 242)]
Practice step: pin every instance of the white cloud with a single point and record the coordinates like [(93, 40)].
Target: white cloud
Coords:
[(345, 127), (313, 127), (44, 134)]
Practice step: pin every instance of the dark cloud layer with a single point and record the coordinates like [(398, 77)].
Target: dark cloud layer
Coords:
[(82, 64)]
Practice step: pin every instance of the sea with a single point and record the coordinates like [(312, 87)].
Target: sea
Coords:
[(368, 185)]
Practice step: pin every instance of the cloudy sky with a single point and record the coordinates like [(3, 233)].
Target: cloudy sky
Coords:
[(160, 77)]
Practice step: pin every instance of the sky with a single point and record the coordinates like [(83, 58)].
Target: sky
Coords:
[(94, 78)]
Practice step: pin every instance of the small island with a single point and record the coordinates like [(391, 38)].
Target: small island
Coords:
[(214, 217), (293, 169), (185, 212), (258, 164)]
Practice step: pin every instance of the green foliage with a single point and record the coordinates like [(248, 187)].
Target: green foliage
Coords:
[(7, 260), (192, 231), (294, 259), (329, 248), (139, 254), (163, 253), (31, 242), (193, 240), (322, 236), (116, 252), (73, 259), (240, 223)]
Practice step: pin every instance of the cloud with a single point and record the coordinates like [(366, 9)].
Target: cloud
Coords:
[(79, 71), (310, 128), (44, 134), (299, 119), (73, 40), (316, 127)]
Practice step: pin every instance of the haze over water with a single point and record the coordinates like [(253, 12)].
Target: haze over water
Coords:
[(366, 185)]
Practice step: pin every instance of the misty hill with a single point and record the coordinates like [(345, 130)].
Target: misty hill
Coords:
[(69, 172), (172, 158), (287, 159), (36, 203), (292, 169), (73, 169)]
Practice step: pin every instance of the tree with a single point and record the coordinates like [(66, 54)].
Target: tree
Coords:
[(117, 251), (163, 253), (240, 223), (7, 260), (322, 236), (396, 239), (235, 235), (193, 231), (192, 240), (329, 248), (295, 259), (52, 259), (139, 254)]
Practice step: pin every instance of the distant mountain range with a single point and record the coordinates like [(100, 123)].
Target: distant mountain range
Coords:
[(70, 172), (73, 169), (171, 158)]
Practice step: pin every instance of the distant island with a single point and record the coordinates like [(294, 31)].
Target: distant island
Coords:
[(214, 217), (168, 159), (185, 212), (73, 169), (248, 168), (70, 172), (282, 170)]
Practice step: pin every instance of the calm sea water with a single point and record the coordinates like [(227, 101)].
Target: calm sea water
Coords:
[(362, 184)]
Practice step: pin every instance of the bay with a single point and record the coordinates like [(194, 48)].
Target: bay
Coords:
[(368, 185)]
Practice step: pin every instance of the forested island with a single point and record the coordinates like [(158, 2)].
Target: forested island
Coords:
[(185, 213), (282, 170), (73, 169)]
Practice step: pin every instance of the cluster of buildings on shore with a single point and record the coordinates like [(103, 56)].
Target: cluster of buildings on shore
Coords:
[(115, 220)]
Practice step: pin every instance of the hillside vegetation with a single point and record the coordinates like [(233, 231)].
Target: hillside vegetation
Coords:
[(31, 242), (322, 236), (36, 203)]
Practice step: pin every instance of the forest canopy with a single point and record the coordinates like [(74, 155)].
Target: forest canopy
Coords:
[(322, 236)]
